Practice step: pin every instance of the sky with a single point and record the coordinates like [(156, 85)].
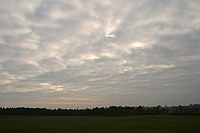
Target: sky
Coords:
[(88, 53)]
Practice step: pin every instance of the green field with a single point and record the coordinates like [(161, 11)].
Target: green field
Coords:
[(90, 124)]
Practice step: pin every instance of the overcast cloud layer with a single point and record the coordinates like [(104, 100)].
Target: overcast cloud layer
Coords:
[(86, 53)]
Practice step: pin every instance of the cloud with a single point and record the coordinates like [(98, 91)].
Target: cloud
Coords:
[(124, 49)]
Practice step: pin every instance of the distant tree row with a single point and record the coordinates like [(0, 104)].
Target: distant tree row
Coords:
[(193, 109)]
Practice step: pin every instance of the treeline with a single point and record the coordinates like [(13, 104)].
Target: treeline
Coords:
[(193, 109)]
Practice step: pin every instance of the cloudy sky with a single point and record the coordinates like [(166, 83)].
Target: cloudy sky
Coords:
[(87, 53)]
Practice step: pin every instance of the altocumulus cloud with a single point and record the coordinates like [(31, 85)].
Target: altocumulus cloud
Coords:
[(58, 53)]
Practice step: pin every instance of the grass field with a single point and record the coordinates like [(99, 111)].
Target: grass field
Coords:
[(133, 124)]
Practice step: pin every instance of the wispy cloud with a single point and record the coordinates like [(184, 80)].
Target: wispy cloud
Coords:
[(115, 51)]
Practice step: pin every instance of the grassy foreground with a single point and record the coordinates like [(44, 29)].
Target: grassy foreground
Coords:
[(128, 124)]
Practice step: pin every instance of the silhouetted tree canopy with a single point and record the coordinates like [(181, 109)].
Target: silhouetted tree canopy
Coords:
[(192, 109)]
